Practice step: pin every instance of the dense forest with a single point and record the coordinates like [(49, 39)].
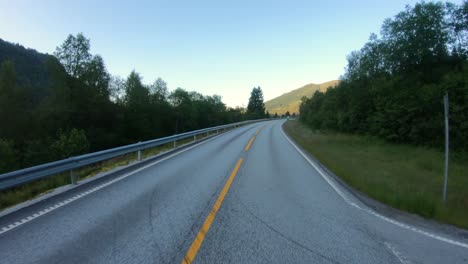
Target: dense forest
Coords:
[(393, 87), (57, 106)]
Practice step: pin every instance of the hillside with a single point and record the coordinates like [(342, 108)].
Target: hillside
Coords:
[(33, 69), (291, 101)]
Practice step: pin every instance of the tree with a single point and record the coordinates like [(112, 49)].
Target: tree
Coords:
[(56, 109), (96, 77), (393, 85), (458, 24), (89, 82), (161, 113), (235, 115), (256, 106), (14, 112), (416, 36), (8, 157), (159, 90), (74, 54), (71, 143), (181, 101), (137, 104), (75, 98), (117, 89), (136, 93)]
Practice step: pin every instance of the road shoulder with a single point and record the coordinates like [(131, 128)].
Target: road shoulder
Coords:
[(386, 210)]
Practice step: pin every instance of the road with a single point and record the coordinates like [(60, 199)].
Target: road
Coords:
[(246, 196)]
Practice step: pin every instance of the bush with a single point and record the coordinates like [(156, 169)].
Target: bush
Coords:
[(70, 144), (8, 160)]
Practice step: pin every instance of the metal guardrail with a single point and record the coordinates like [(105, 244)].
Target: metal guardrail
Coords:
[(15, 178)]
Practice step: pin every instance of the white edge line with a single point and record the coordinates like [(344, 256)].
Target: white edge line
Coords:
[(368, 210), (397, 254), (90, 191)]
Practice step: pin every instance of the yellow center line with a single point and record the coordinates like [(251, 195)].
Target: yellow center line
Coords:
[(196, 244), (253, 138), (258, 131), (250, 143)]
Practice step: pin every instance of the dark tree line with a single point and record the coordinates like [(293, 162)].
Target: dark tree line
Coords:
[(54, 107), (394, 85)]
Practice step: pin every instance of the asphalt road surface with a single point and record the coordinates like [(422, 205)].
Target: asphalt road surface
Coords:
[(246, 196)]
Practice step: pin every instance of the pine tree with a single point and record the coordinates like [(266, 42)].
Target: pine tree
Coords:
[(256, 106)]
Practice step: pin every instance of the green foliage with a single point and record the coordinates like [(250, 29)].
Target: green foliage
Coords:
[(235, 115), (159, 90), (13, 104), (69, 144), (87, 108), (36, 151), (136, 92), (393, 87), (181, 102), (256, 107), (32, 69), (7, 156), (74, 55), (96, 77)]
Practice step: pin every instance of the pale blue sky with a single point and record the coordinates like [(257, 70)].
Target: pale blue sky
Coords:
[(213, 47)]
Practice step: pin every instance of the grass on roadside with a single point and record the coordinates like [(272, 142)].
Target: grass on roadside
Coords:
[(407, 177), (34, 189)]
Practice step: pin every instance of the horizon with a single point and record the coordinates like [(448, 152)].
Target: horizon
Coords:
[(208, 47)]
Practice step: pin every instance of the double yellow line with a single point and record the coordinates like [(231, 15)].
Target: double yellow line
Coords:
[(196, 244)]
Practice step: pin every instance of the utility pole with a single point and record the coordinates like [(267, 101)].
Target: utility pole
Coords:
[(446, 110)]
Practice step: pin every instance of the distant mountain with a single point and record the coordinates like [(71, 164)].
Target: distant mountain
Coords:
[(33, 69), (292, 100)]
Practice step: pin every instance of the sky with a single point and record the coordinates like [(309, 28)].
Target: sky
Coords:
[(212, 47)]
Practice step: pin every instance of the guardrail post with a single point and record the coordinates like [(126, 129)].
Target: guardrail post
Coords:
[(139, 155), (73, 177), (217, 131), (175, 143), (446, 114), (194, 137)]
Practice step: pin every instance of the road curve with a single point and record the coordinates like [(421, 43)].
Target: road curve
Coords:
[(246, 196)]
